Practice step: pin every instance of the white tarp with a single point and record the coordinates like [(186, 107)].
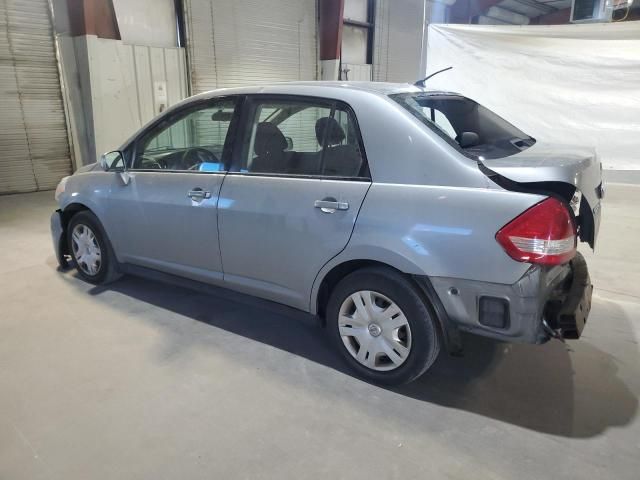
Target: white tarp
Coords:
[(575, 84)]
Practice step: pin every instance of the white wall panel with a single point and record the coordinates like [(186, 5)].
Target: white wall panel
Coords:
[(124, 80), (248, 42), (33, 133), (357, 72), (146, 22), (398, 41), (356, 10)]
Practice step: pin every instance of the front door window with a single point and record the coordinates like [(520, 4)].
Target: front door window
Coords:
[(194, 141)]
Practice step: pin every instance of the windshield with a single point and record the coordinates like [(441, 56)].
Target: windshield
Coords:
[(468, 126)]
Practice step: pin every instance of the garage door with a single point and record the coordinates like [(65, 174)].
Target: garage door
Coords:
[(34, 148), (248, 42)]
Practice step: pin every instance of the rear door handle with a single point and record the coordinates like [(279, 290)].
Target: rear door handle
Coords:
[(198, 194), (330, 205)]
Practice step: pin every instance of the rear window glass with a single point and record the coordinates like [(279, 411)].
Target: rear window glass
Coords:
[(466, 125)]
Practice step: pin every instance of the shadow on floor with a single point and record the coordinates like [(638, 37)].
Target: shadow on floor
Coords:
[(547, 388)]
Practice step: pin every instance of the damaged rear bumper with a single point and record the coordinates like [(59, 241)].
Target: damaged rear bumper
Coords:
[(544, 303), (570, 304)]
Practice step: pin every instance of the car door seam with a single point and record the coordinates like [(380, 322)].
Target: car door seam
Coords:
[(355, 220), (218, 224)]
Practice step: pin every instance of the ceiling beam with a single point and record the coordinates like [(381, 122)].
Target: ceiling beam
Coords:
[(544, 8), (463, 11), (559, 17)]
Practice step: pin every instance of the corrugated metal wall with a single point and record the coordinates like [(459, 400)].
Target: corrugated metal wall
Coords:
[(248, 42), (33, 133)]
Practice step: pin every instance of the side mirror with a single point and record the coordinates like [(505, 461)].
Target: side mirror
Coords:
[(289, 143), (112, 161), (468, 139)]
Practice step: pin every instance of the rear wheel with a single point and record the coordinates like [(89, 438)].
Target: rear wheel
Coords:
[(382, 326), (90, 249)]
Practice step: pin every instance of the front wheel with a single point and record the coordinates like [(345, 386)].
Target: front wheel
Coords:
[(90, 249), (382, 326)]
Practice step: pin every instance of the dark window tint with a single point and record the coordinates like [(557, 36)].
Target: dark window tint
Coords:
[(468, 126), (302, 138)]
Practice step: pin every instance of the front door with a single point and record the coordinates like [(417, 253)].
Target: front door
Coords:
[(168, 210), (290, 201)]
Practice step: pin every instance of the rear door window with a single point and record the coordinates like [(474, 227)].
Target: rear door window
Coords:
[(302, 137)]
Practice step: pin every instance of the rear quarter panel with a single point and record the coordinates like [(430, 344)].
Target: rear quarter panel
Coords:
[(437, 231)]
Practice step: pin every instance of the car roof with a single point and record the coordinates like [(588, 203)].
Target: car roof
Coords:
[(384, 88), (335, 89)]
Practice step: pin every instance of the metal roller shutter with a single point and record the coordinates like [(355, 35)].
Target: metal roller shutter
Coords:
[(248, 42), (34, 147)]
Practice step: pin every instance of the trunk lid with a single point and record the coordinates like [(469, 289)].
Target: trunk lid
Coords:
[(557, 170)]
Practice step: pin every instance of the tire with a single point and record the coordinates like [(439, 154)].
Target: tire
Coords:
[(393, 354), (91, 238)]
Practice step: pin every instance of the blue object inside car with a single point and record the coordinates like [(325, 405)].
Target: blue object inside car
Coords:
[(210, 167)]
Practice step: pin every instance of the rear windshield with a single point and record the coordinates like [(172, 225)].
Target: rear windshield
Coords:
[(469, 127)]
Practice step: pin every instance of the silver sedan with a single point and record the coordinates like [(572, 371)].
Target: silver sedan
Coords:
[(398, 215)]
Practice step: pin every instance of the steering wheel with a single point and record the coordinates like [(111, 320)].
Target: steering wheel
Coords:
[(150, 162), (193, 157)]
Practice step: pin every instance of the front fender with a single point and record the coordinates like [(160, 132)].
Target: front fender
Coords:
[(83, 203), (89, 190)]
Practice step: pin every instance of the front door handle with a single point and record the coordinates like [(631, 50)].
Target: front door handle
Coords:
[(330, 205), (198, 194)]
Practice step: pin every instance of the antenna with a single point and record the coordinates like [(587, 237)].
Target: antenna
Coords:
[(420, 83)]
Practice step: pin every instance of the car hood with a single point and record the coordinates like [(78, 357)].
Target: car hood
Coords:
[(87, 168)]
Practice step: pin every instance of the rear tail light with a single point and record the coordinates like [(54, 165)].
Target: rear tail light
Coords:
[(544, 234)]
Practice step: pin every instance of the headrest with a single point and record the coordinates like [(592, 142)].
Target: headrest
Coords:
[(269, 139), (331, 128)]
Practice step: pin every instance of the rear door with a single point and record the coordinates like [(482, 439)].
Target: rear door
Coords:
[(290, 201), (166, 215)]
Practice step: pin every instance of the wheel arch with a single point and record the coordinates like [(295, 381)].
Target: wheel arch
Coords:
[(67, 213), (335, 271), (70, 210), (350, 260)]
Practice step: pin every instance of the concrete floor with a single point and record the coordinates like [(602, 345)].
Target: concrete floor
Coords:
[(144, 380)]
